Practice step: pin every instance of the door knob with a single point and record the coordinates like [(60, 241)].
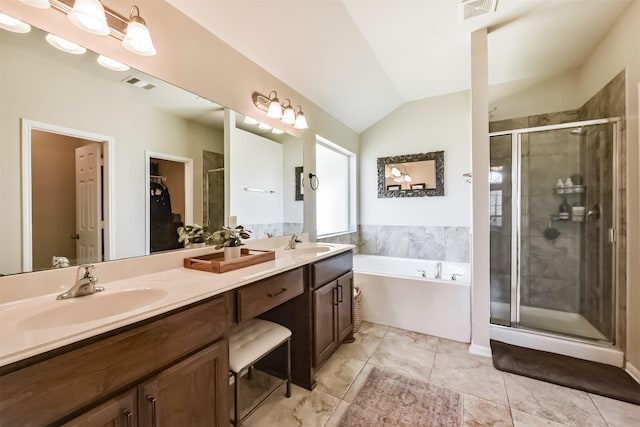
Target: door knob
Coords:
[(75, 236)]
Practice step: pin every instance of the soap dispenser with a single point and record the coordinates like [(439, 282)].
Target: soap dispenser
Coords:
[(568, 186), (559, 186)]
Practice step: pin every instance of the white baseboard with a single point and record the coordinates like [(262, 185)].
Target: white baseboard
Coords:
[(633, 371), (480, 350)]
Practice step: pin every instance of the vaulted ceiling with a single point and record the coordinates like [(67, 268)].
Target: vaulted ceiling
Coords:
[(361, 59)]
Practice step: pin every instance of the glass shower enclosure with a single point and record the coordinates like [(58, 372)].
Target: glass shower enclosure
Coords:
[(553, 229)]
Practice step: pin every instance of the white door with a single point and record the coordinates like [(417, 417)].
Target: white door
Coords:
[(88, 204)]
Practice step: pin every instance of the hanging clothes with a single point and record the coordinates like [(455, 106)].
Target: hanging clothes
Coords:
[(163, 235)]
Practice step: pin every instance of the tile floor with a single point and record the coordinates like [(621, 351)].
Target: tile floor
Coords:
[(490, 397)]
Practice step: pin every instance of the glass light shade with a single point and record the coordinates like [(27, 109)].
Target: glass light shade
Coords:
[(395, 171), (111, 64), (40, 4), (64, 44), (275, 109), (407, 178), (138, 39), (88, 15), (14, 25), (277, 131), (250, 120), (288, 116), (301, 122), (264, 126)]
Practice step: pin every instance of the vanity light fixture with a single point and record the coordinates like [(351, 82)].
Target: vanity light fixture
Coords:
[(14, 25), (88, 15), (92, 16), (301, 120), (64, 44), (40, 4), (250, 120), (275, 108), (111, 64), (289, 114), (137, 39)]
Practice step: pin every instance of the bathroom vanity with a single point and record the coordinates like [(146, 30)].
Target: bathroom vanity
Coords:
[(167, 364)]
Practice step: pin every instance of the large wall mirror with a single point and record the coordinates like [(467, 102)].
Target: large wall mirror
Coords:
[(144, 143), (411, 175)]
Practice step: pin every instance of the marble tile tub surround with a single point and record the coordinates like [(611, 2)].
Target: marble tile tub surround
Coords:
[(440, 243), (490, 397)]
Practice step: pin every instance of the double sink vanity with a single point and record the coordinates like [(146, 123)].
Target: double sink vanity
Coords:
[(152, 348)]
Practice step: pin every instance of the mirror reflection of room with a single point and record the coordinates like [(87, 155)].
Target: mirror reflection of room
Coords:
[(411, 175), (166, 204)]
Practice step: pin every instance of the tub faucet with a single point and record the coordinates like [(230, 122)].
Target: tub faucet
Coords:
[(293, 242), (422, 273), (85, 283), (455, 276), (438, 273)]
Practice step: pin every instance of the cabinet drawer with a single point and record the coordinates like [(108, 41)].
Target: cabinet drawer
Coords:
[(330, 269), (259, 297)]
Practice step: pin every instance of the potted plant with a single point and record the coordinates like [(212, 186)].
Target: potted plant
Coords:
[(230, 239), (190, 234)]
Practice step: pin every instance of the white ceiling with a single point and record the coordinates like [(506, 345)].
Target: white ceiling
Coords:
[(361, 59)]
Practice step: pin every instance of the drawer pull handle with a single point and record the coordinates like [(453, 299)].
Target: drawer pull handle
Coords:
[(276, 293), (127, 413), (340, 294), (153, 410)]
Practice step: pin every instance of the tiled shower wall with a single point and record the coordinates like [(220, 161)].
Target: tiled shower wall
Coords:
[(406, 241), (549, 267)]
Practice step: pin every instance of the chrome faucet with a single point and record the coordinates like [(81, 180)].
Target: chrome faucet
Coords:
[(455, 276), (293, 242), (438, 273), (422, 273), (85, 283)]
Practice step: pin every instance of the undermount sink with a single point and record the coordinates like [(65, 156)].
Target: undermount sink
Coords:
[(311, 250), (92, 307)]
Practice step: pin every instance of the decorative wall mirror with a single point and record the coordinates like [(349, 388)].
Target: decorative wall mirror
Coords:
[(411, 175)]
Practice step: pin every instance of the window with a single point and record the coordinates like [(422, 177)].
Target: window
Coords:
[(335, 197), (495, 196)]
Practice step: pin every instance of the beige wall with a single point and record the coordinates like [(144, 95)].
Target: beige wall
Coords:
[(619, 51)]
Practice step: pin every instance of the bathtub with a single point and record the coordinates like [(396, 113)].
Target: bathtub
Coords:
[(404, 293)]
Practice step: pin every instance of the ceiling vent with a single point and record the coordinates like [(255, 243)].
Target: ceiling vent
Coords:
[(134, 81), (472, 8)]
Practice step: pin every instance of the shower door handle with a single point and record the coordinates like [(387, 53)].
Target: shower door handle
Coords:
[(612, 235), (594, 212)]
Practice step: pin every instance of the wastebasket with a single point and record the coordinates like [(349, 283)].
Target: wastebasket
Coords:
[(357, 308)]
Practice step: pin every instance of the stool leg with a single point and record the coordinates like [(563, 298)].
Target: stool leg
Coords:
[(289, 368), (236, 401)]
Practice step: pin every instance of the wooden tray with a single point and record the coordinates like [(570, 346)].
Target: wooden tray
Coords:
[(215, 262)]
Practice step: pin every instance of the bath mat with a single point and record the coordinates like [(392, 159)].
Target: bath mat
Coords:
[(390, 399), (592, 377)]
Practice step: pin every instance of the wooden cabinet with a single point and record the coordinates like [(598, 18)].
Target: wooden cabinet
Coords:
[(266, 294), (190, 393), (333, 316), (117, 412), (87, 374)]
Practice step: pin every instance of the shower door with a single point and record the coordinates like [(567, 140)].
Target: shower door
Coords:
[(560, 241)]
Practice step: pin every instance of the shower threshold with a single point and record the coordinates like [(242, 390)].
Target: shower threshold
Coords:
[(554, 321)]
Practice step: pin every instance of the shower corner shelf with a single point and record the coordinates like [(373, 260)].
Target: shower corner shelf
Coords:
[(576, 189)]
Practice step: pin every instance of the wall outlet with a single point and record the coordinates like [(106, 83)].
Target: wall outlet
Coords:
[(233, 221)]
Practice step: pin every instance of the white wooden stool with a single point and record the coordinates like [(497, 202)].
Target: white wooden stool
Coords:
[(253, 340)]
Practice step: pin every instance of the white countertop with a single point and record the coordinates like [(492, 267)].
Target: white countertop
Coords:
[(34, 325)]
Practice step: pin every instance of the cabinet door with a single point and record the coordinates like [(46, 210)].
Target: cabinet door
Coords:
[(118, 412), (191, 393), (325, 305), (345, 306)]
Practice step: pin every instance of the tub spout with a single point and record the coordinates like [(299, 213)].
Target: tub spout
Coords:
[(422, 273), (438, 273)]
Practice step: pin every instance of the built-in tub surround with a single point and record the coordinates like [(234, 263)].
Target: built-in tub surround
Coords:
[(158, 282), (395, 293)]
